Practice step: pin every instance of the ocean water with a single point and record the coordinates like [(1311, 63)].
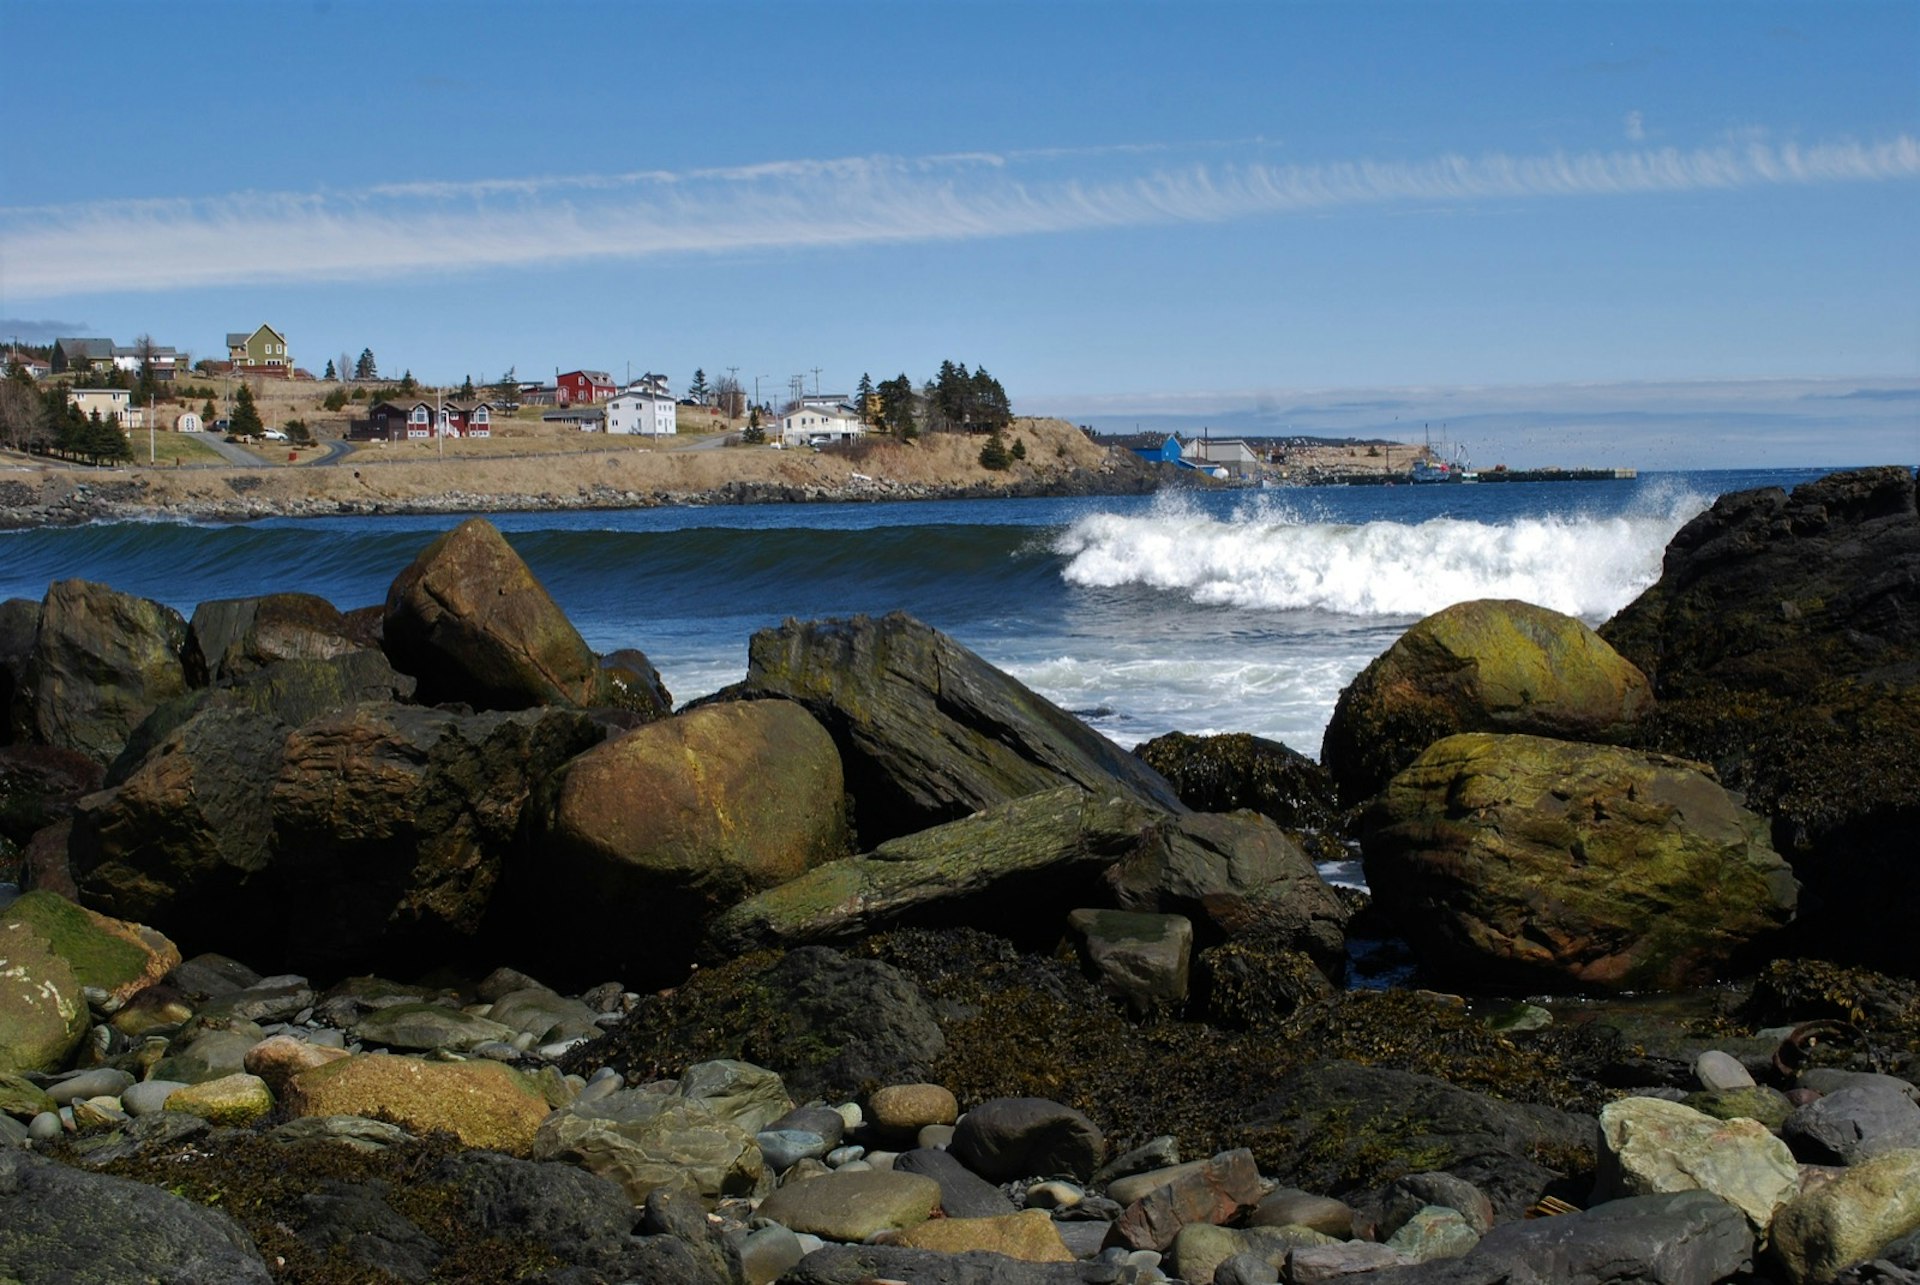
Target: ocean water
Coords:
[(1234, 611)]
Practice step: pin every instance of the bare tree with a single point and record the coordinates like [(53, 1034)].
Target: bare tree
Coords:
[(23, 411), (729, 396), (344, 366)]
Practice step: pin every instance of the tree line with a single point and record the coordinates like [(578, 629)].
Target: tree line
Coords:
[(955, 400)]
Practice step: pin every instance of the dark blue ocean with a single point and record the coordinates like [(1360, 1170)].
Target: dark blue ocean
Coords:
[(1231, 611)]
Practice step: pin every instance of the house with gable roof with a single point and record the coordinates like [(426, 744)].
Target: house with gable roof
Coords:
[(263, 351), (583, 387), (85, 355)]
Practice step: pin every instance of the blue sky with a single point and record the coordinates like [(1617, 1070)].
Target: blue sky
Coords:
[(1663, 235)]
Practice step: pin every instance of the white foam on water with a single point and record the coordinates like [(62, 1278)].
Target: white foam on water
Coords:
[(1272, 556)]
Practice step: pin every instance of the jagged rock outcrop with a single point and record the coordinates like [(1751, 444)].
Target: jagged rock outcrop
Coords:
[(101, 661), (927, 730)]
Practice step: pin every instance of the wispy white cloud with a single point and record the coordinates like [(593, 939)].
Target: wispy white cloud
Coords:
[(1635, 126), (56, 251)]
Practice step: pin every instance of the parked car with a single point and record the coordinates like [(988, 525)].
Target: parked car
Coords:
[(273, 435), (223, 426)]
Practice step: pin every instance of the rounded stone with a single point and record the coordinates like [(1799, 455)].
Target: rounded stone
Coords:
[(1719, 1071), (149, 1096), (232, 1099), (904, 1109)]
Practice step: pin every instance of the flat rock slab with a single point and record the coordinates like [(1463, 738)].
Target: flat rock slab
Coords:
[(855, 1205)]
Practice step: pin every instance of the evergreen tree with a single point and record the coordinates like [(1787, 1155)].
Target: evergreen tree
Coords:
[(508, 389), (698, 389), (466, 389), (407, 387), (329, 375), (866, 402), (1019, 451), (994, 454), (755, 434), (364, 368), (208, 414), (246, 416)]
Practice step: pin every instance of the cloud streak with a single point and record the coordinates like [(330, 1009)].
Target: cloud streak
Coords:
[(376, 233)]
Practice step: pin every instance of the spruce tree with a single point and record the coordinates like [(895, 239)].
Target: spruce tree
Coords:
[(246, 416), (329, 375), (364, 368), (698, 389), (466, 389)]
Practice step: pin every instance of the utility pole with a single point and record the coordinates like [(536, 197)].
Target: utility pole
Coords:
[(816, 381), (756, 387)]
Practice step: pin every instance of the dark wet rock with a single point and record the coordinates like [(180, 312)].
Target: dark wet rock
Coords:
[(576, 1216), (354, 1222), (102, 660), (1519, 860), (58, 1223), (1234, 770), (628, 681), (831, 1026), (1256, 979), (1687, 1238), (1783, 640), (469, 620), (1485, 666), (19, 622), (1337, 1127), (286, 692), (673, 823), (232, 636), (963, 1193), (858, 1264), (1853, 1123), (39, 785), (928, 731), (388, 823), (1145, 959), (1007, 1138), (1234, 875)]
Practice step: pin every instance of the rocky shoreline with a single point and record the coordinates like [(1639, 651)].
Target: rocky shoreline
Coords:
[(879, 966)]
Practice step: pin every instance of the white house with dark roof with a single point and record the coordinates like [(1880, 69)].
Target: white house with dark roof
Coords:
[(819, 426)]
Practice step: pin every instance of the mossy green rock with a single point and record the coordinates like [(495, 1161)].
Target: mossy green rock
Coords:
[(1485, 666), (42, 1011), (21, 1098), (853, 1206), (1755, 1102), (1851, 1218), (470, 621), (230, 1100), (647, 1141), (110, 954), (484, 1104), (1521, 861)]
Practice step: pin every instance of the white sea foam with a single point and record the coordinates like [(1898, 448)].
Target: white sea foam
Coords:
[(1274, 557)]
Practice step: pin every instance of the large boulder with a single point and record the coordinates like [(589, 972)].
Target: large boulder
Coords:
[(1850, 1218), (19, 622), (1484, 666), (1783, 640), (108, 954), (1027, 862), (1518, 861), (1651, 1147), (59, 1223), (43, 1013), (928, 731), (484, 1104), (853, 1206), (468, 619), (102, 660), (1337, 1127), (648, 1141), (666, 826), (387, 824), (232, 636)]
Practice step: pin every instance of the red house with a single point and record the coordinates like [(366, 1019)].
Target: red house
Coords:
[(584, 386), (395, 422)]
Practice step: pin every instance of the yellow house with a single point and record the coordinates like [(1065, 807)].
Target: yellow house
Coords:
[(114, 404)]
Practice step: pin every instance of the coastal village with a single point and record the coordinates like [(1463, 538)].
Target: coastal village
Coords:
[(256, 405)]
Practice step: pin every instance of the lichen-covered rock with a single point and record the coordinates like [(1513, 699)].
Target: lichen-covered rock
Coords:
[(1028, 1237), (1653, 1147), (484, 1104), (43, 1013), (680, 819), (928, 731), (470, 621), (1519, 860), (1145, 959), (102, 660), (230, 1100), (109, 954), (1484, 666), (1863, 1208)]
